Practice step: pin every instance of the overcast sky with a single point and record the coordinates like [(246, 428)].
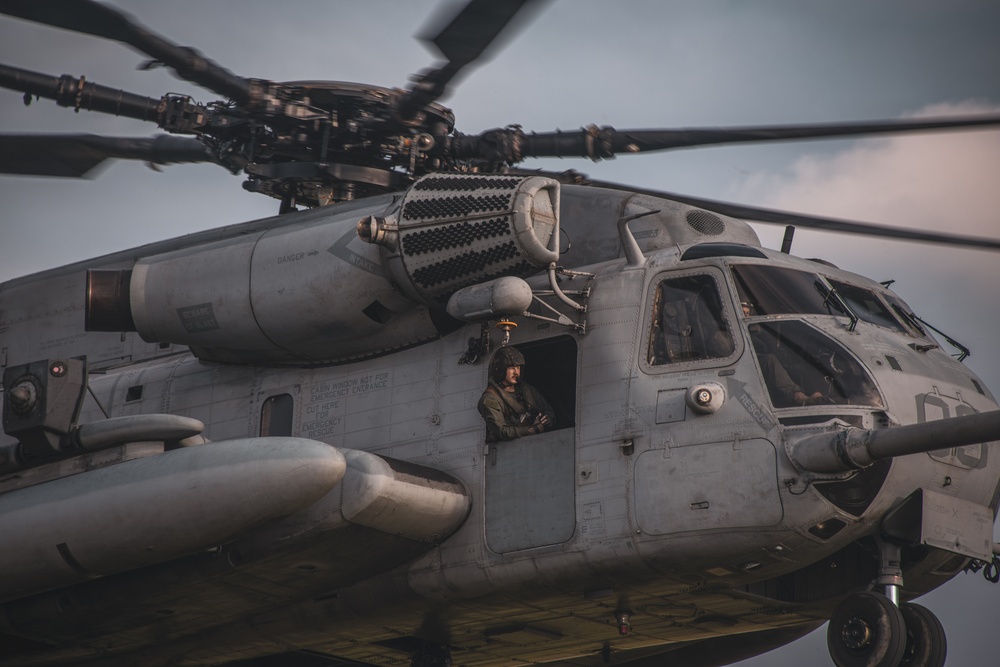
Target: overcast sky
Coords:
[(627, 63)]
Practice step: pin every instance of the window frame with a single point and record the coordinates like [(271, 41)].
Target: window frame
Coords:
[(268, 405), (728, 312), (899, 328)]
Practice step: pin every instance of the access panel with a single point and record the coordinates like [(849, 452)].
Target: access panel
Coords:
[(707, 487)]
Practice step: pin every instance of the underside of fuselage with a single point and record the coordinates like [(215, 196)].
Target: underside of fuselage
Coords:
[(234, 611)]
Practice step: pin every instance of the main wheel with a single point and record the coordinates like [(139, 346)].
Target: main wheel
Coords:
[(866, 630), (926, 644)]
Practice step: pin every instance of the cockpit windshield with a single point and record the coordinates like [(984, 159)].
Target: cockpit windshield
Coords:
[(774, 290), (867, 306), (802, 366)]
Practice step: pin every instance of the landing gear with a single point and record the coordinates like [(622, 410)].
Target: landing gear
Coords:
[(926, 644), (874, 630), (867, 630)]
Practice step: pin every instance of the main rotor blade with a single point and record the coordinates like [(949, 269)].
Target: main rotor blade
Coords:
[(74, 155), (774, 216), (92, 18), (474, 28), (602, 143), (462, 41)]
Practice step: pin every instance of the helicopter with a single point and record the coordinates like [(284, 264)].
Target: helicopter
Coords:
[(498, 638)]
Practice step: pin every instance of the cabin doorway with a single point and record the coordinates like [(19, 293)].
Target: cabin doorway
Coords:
[(530, 482)]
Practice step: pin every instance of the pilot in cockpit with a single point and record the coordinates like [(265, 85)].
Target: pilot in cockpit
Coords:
[(782, 388), (511, 407)]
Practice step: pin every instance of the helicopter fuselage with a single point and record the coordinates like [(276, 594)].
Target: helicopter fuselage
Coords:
[(665, 505)]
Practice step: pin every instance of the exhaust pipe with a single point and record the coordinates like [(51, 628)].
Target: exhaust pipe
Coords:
[(856, 449)]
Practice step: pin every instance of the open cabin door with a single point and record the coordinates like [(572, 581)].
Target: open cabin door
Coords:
[(530, 495)]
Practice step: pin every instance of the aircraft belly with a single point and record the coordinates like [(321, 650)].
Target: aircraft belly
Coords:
[(156, 508), (532, 624)]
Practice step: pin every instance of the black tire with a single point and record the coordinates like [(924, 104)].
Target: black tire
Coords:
[(926, 644), (866, 630)]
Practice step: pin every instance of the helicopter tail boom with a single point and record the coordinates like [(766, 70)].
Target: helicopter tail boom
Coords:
[(855, 448)]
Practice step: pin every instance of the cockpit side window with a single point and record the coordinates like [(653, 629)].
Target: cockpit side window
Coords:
[(802, 366), (774, 290), (867, 306), (689, 323)]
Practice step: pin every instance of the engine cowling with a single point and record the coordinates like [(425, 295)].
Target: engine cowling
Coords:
[(312, 292)]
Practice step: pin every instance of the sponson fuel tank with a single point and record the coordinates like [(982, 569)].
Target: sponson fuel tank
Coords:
[(156, 508), (314, 292)]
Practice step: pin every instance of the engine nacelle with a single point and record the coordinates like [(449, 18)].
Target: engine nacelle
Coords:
[(312, 292)]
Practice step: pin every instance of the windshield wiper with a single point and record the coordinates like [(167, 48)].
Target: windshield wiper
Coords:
[(964, 352), (832, 296)]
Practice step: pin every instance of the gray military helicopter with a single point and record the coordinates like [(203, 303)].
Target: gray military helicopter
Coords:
[(686, 506)]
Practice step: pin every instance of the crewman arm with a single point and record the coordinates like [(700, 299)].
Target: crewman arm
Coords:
[(541, 406)]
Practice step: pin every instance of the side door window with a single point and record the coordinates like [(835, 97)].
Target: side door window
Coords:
[(277, 415), (689, 322)]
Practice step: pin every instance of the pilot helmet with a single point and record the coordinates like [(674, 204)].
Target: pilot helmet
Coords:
[(503, 359)]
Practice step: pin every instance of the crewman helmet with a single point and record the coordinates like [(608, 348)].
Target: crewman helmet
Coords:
[(503, 359)]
